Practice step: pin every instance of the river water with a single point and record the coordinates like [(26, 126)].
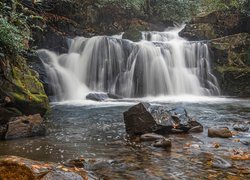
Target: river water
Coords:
[(96, 132)]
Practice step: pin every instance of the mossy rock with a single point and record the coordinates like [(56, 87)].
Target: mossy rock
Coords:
[(133, 35), (232, 50), (23, 87)]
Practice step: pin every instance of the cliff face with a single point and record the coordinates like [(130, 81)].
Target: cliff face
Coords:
[(229, 39)]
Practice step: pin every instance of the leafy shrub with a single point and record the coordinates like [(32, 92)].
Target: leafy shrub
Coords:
[(15, 27)]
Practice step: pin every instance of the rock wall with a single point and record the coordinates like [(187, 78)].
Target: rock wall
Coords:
[(228, 35)]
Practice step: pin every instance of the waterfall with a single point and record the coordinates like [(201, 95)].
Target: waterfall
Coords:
[(162, 63)]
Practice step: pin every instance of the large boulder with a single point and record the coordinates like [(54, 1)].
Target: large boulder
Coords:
[(144, 118), (13, 167), (25, 126)]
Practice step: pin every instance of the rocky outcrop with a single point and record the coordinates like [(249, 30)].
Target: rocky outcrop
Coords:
[(227, 32), (144, 118), (13, 167)]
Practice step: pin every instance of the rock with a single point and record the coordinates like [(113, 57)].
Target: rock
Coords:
[(219, 162), (24, 91), (231, 63), (59, 174), (25, 126), (79, 163), (138, 120), (133, 35), (216, 24), (219, 132), (196, 127), (97, 96), (13, 167), (241, 127), (101, 96), (151, 137), (163, 143), (144, 118), (245, 141)]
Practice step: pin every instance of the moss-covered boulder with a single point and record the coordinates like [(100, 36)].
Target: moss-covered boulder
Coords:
[(21, 85), (231, 55)]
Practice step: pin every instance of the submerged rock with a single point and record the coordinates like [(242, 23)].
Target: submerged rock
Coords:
[(151, 137), (25, 126), (163, 143), (219, 132), (13, 167), (219, 162), (144, 118), (241, 127)]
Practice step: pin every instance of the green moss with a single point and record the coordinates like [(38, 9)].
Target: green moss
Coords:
[(25, 90)]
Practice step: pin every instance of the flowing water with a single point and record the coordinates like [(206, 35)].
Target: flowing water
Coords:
[(161, 64), (162, 69), (95, 130)]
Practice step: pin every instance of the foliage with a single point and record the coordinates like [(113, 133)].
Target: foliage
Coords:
[(15, 27), (214, 5)]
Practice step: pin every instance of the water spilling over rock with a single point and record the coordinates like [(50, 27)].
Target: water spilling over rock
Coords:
[(161, 64)]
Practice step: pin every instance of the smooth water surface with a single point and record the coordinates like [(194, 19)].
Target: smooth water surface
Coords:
[(96, 131)]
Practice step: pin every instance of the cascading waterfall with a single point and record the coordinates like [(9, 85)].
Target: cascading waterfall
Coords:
[(161, 64)]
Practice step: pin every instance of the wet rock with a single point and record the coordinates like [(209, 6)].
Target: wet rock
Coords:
[(241, 127), (196, 127), (59, 175), (25, 126), (151, 137), (97, 96), (219, 162), (245, 141), (101, 96), (163, 143), (219, 132), (13, 167), (144, 118), (76, 163), (138, 120)]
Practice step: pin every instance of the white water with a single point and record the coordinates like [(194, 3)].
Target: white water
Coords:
[(161, 64)]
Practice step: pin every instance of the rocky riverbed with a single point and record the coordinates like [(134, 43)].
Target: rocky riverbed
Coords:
[(92, 135)]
